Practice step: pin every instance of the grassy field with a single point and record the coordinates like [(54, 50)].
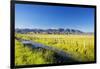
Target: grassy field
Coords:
[(28, 56), (80, 47)]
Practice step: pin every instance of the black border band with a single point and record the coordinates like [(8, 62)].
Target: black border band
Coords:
[(12, 29)]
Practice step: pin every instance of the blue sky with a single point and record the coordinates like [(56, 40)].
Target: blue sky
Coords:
[(45, 17)]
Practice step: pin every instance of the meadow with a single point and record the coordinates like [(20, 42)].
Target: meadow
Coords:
[(80, 48), (28, 56)]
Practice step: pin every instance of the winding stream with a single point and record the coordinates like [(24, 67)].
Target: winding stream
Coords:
[(39, 45)]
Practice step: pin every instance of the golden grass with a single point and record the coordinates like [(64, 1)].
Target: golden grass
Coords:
[(80, 47)]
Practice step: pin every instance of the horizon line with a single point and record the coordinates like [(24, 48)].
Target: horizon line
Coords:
[(55, 28)]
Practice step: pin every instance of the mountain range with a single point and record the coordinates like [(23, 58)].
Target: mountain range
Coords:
[(51, 31)]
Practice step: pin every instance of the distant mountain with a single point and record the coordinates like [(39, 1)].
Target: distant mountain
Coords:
[(50, 31)]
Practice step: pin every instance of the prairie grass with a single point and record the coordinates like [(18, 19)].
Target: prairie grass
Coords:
[(80, 47), (28, 56)]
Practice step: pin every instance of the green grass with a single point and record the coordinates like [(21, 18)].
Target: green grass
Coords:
[(80, 47), (27, 56)]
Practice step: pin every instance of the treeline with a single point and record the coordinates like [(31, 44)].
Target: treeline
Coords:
[(49, 31)]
